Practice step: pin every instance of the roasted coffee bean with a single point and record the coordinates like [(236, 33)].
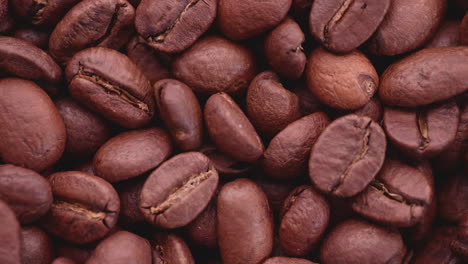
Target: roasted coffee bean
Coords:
[(131, 154), (62, 260), (285, 260), (129, 194), (243, 19), (86, 131), (27, 193), (172, 26), (343, 25), (202, 230), (372, 109), (307, 101), (32, 136), (107, 82), (148, 60), (23, 59), (301, 8), (341, 81), (437, 248), (271, 107), (304, 218), (42, 13), (452, 196), (276, 192), (460, 244), (347, 156), (225, 165), (425, 77), (38, 38), (10, 236), (36, 247), (287, 155), (178, 191), (181, 112), (79, 254), (85, 207), (398, 196), (356, 241), (284, 51), (231, 130), (214, 65), (245, 223), (422, 133), (122, 247), (464, 31), (448, 35), (6, 22), (104, 23), (170, 248), (3, 9), (398, 33)]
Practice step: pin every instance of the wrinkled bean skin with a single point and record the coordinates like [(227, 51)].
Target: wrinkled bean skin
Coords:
[(170, 248), (243, 19), (245, 224), (103, 23), (10, 236), (343, 25), (37, 132), (181, 112), (36, 247), (448, 35), (27, 193), (108, 83), (283, 49), (131, 154), (172, 26), (231, 65), (285, 260), (400, 31), (224, 119), (356, 241), (42, 13), (425, 77)]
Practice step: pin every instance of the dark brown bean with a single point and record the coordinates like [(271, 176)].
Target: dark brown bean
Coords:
[(42, 13), (79, 254), (276, 192), (437, 248), (129, 194), (448, 35), (38, 38), (452, 196), (10, 236), (285, 260), (178, 191), (170, 248), (202, 230), (36, 247), (460, 244), (131, 154), (464, 31), (62, 260), (230, 129), (225, 165)]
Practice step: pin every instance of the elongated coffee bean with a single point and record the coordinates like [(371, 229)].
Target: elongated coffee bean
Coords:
[(178, 191), (425, 77), (10, 236), (107, 82)]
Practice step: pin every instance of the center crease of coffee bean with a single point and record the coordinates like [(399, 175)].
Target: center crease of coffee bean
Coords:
[(423, 129), (112, 22), (38, 9), (126, 96), (292, 201), (394, 196), (79, 209), (336, 18)]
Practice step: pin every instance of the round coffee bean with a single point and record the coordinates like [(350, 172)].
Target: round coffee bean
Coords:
[(107, 82), (356, 241), (131, 154), (85, 207), (425, 77), (285, 260), (347, 156), (32, 136), (299, 234), (245, 223), (230, 129), (10, 236), (214, 65), (181, 112), (448, 35), (172, 26), (27, 193), (341, 81), (170, 248), (122, 248), (42, 13), (36, 247), (178, 191), (343, 25)]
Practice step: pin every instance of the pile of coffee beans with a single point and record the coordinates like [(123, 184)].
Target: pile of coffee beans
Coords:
[(233, 131)]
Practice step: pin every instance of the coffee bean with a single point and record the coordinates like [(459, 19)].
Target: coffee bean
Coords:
[(437, 249), (284, 51), (6, 22), (285, 260), (299, 236), (214, 65), (10, 236), (202, 230), (172, 26), (131, 154), (122, 247), (42, 13), (36, 247), (356, 241), (178, 191), (287, 155), (107, 82), (180, 110), (276, 193), (33, 136), (464, 31), (307, 101), (78, 254), (425, 77), (243, 19), (347, 156), (170, 248), (104, 23), (62, 260), (225, 165), (453, 195), (85, 207), (38, 38), (341, 81), (27, 193), (86, 131), (3, 9), (245, 223), (343, 25), (460, 244), (231, 130), (398, 33), (448, 35)]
